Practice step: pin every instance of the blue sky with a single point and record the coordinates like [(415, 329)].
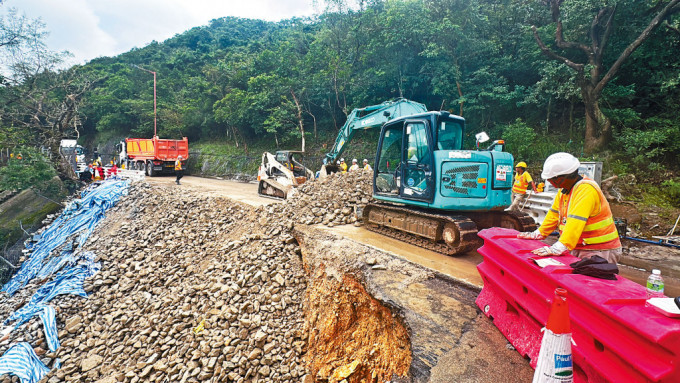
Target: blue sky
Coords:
[(94, 28)]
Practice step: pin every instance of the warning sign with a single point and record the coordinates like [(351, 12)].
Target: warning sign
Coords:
[(502, 172)]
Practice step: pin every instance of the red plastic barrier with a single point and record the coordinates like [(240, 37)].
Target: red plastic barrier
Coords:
[(617, 338)]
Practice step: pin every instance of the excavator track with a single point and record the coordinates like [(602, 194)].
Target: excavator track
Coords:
[(443, 233), (446, 234)]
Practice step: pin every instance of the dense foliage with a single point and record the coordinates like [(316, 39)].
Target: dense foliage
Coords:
[(243, 80), (27, 167)]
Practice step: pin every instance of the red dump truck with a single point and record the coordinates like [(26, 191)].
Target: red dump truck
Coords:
[(153, 155)]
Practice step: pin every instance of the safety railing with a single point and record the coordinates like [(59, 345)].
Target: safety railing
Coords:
[(617, 338), (538, 204)]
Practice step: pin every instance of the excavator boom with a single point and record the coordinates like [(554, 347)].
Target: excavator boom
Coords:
[(371, 117)]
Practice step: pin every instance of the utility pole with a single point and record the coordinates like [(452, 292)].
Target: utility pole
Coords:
[(154, 96)]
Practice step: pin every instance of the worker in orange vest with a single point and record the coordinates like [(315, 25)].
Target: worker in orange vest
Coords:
[(178, 169), (519, 188), (580, 212)]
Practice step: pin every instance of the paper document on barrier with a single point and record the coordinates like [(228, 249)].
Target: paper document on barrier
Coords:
[(543, 262)]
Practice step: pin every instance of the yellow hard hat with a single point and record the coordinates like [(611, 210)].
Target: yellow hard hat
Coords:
[(521, 165)]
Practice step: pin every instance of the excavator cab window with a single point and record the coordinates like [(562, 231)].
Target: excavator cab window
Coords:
[(418, 162), (388, 173), (449, 135)]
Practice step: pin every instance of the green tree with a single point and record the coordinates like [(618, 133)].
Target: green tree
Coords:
[(589, 57)]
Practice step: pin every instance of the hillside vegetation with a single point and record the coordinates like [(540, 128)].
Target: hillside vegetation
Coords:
[(597, 78)]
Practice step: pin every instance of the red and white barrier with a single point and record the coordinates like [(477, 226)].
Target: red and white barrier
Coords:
[(617, 338)]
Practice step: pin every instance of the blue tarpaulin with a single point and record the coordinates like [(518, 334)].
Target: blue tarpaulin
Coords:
[(77, 221), (21, 360), (81, 216), (49, 319), (68, 281)]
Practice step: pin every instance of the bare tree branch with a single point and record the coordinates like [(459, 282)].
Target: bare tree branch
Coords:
[(577, 67), (672, 7), (559, 40)]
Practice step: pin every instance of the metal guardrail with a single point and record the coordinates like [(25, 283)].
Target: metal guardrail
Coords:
[(538, 204)]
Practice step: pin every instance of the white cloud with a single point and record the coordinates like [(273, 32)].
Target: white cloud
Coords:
[(94, 28)]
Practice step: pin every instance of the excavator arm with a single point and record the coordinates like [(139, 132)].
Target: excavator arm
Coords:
[(371, 117)]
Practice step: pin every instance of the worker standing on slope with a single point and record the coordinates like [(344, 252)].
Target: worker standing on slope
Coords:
[(343, 165), (178, 169), (580, 212), (355, 165), (367, 166), (519, 188)]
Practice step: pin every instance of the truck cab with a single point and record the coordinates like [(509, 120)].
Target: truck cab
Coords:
[(421, 163)]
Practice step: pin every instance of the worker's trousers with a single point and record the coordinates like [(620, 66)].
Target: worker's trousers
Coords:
[(518, 201)]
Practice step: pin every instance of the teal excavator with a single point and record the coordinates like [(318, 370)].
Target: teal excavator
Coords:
[(430, 191)]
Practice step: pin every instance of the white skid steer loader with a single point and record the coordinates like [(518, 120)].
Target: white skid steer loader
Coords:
[(279, 174)]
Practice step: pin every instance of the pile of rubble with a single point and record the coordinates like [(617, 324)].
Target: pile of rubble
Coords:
[(184, 295), (333, 200), (193, 288)]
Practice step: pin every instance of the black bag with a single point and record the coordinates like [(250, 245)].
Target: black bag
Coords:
[(597, 267)]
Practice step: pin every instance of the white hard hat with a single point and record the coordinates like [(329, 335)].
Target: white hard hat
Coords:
[(342, 160), (559, 164), (365, 160), (354, 160)]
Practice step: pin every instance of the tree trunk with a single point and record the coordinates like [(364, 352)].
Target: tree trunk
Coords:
[(299, 118), (598, 126), (460, 94)]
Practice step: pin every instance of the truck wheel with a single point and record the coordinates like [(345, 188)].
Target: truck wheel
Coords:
[(149, 169)]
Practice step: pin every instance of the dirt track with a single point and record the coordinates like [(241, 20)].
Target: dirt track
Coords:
[(240, 191)]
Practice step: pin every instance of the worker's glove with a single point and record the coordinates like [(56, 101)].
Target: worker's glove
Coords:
[(556, 249), (531, 235)]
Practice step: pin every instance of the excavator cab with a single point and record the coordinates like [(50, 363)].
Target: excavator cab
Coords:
[(405, 166), (434, 194)]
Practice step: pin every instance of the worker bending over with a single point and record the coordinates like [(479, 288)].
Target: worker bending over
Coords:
[(580, 212), (519, 188), (343, 165)]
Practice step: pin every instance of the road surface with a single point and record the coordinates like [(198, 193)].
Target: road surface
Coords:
[(245, 192)]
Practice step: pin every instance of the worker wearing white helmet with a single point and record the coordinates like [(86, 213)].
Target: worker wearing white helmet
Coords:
[(367, 166), (519, 188), (355, 166), (580, 212), (343, 165)]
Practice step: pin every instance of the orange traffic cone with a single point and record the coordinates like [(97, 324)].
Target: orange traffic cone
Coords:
[(554, 360)]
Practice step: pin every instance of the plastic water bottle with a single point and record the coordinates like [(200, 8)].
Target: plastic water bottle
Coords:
[(655, 285)]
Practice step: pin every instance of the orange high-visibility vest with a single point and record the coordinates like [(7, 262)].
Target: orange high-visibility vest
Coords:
[(178, 165), (521, 183), (600, 231)]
